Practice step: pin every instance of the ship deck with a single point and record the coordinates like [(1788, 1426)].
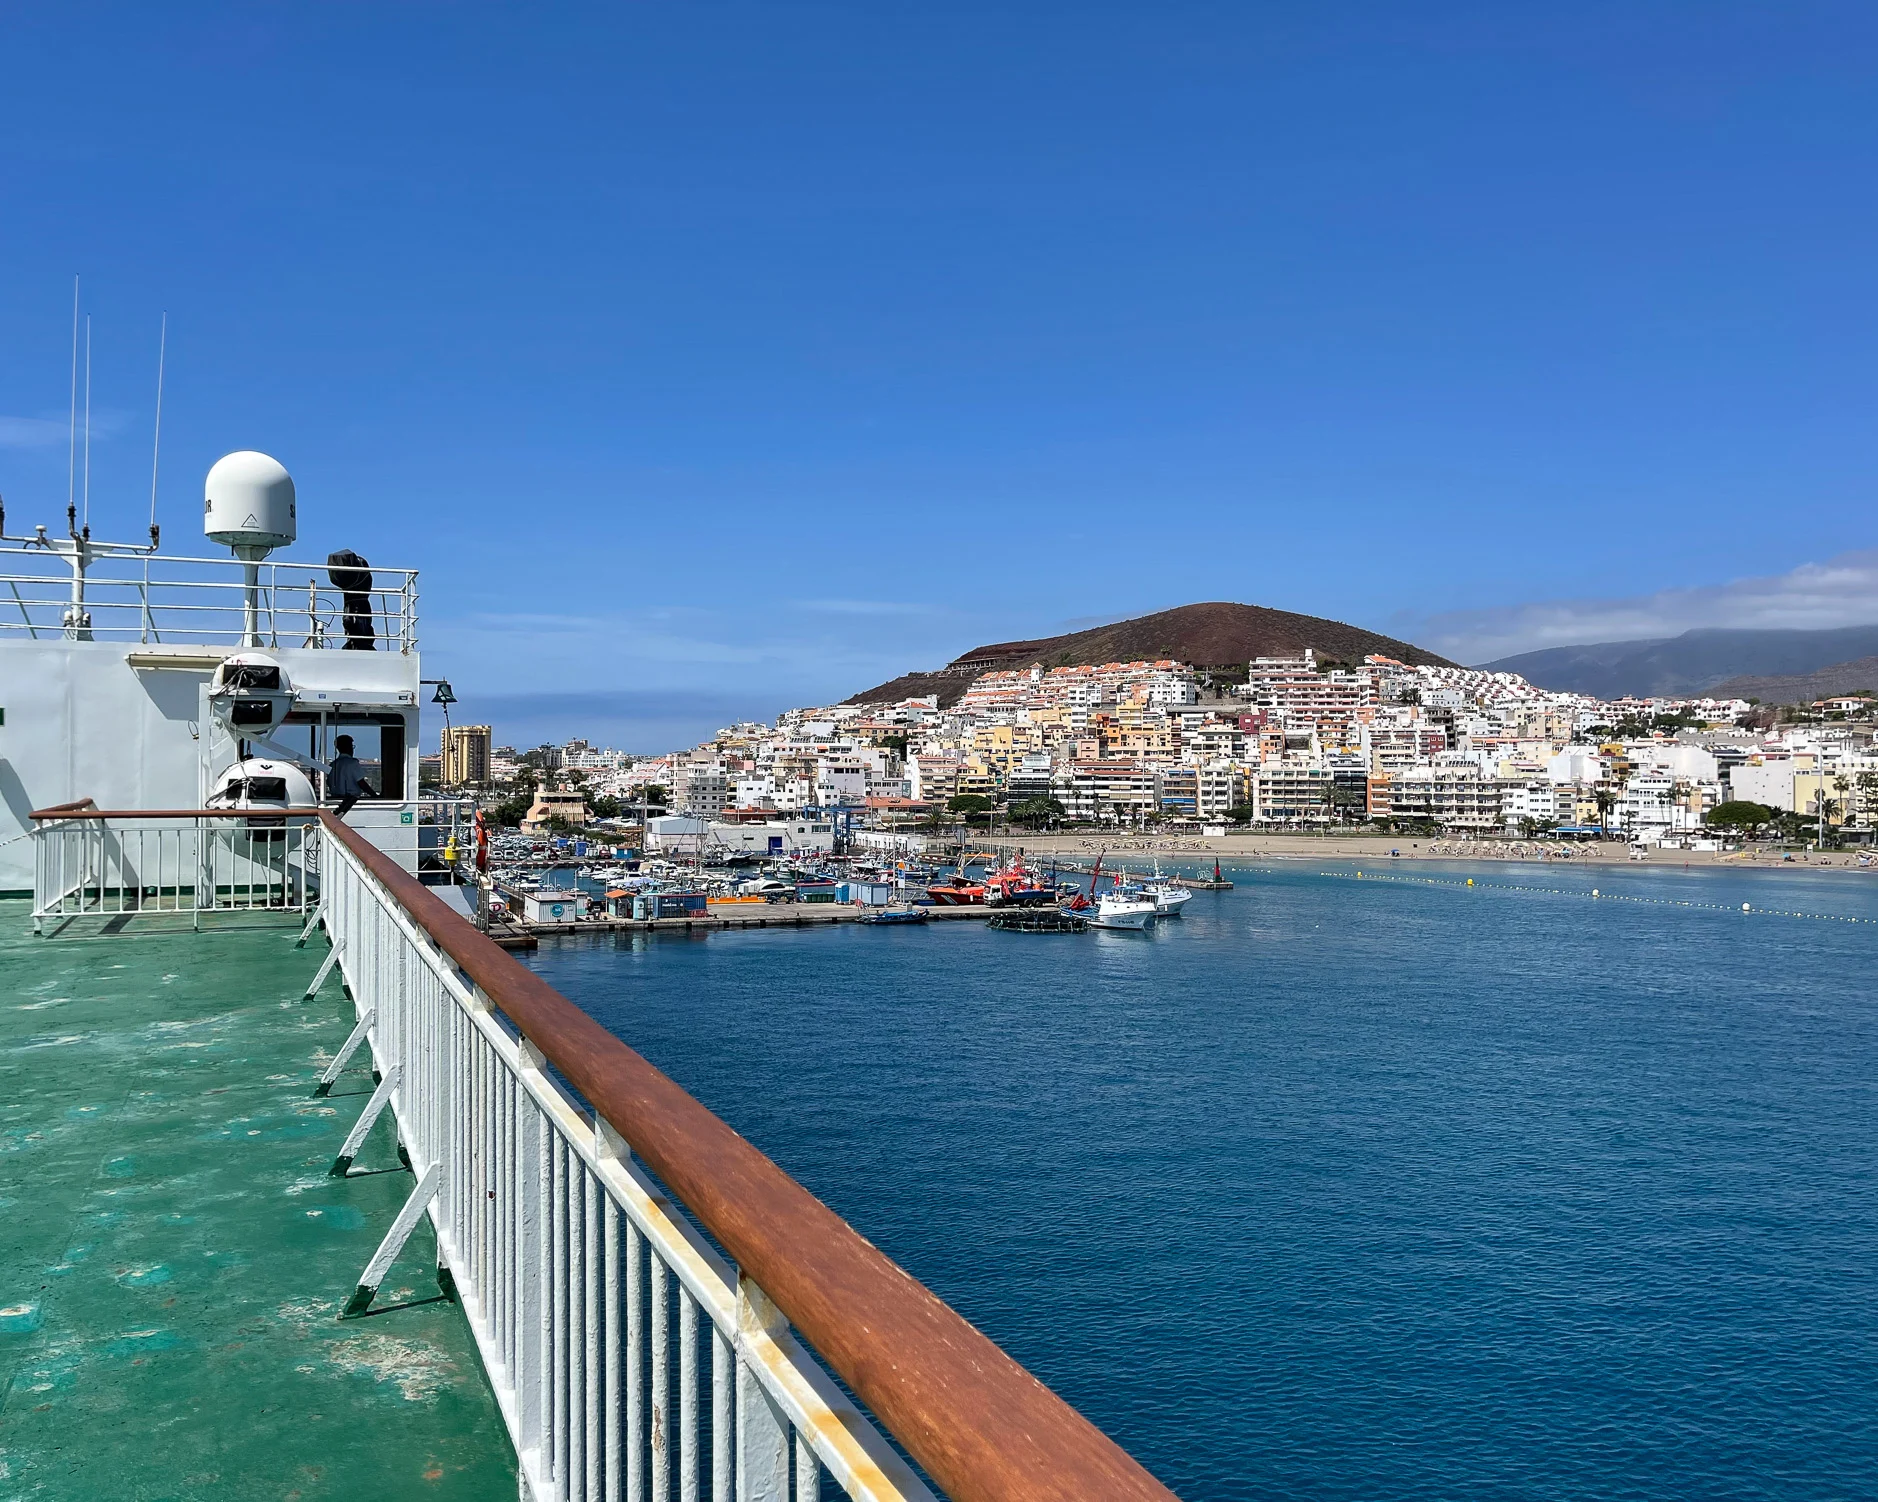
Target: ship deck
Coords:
[(173, 1255)]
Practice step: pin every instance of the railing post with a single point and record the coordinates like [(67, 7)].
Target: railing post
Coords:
[(762, 1428), (532, 1283)]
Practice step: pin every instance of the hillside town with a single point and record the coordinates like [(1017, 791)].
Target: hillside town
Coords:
[(1295, 744)]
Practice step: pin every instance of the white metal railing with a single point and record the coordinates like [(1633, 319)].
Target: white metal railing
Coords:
[(86, 865), (629, 1358), (154, 598)]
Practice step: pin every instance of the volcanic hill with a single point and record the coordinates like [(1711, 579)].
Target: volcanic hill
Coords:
[(1219, 636)]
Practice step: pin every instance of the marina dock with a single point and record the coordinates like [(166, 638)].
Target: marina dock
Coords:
[(770, 915)]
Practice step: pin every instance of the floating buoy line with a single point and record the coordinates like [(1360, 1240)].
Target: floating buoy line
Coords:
[(1594, 895)]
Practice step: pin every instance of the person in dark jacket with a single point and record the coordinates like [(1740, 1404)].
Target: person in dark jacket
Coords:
[(351, 575)]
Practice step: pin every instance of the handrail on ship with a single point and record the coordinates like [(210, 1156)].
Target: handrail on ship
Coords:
[(84, 808), (984, 1428), (980, 1425), (104, 596)]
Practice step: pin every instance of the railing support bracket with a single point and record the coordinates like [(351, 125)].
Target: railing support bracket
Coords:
[(388, 1249), (355, 1139), (325, 969), (311, 924), (346, 1050)]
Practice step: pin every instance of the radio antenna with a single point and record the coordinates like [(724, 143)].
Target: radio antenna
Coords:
[(156, 443), (87, 424), (71, 458)]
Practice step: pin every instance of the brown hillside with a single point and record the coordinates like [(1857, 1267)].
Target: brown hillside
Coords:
[(1803, 688), (1215, 635)]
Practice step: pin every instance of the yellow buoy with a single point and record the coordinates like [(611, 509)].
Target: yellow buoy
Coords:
[(1470, 881)]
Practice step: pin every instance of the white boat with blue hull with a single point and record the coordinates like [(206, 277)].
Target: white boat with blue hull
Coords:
[(1121, 910)]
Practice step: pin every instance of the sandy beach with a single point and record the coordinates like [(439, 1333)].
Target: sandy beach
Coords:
[(1394, 849)]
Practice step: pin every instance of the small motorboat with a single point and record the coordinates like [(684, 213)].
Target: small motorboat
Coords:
[(896, 915)]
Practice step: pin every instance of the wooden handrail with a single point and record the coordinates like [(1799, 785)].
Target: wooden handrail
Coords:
[(981, 1426), (62, 810)]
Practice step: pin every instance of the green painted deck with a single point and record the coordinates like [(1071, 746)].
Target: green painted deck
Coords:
[(173, 1256)]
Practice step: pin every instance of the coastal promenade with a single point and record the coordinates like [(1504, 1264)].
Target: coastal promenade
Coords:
[(1307, 847)]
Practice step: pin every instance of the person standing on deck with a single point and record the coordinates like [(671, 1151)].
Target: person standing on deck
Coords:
[(345, 778)]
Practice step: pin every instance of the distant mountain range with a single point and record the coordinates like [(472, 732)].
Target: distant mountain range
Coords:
[(1777, 667), (1804, 688), (1218, 634)]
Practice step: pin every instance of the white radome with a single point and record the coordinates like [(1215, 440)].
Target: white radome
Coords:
[(250, 694), (248, 504), (259, 783)]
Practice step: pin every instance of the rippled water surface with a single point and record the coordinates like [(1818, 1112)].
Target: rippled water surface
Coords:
[(1353, 1189)]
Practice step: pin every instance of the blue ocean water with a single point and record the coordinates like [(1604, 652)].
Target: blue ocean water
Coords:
[(1354, 1189)]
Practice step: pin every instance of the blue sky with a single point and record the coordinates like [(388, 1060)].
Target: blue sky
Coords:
[(714, 358)]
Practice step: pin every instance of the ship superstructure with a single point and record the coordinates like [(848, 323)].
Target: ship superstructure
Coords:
[(108, 654)]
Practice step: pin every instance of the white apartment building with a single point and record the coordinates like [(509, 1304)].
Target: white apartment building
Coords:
[(1645, 807), (839, 783), (1168, 686), (1221, 784), (1458, 798), (1290, 791), (701, 789), (1107, 791), (1531, 798), (932, 777), (1764, 779)]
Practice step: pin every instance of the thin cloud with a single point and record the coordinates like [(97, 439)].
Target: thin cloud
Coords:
[(33, 433), (1842, 591), (47, 432), (865, 607)]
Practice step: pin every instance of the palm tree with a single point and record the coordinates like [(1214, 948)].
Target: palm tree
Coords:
[(1606, 799)]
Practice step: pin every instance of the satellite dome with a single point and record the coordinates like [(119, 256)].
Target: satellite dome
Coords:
[(248, 504), (263, 785), (250, 694)]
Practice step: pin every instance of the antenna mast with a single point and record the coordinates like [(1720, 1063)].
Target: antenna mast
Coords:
[(87, 424), (156, 443), (71, 457)]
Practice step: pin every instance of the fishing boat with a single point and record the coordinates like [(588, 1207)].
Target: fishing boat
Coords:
[(1122, 910), (1168, 899), (958, 892), (1016, 885)]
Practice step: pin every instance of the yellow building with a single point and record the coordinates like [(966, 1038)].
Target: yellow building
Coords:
[(466, 755), (552, 803)]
